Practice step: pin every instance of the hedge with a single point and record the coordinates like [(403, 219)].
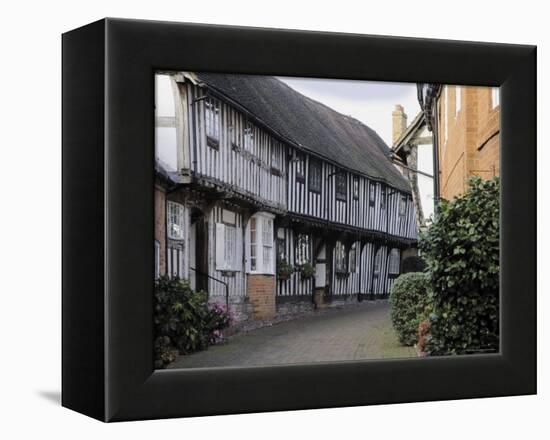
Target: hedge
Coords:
[(461, 249), (409, 297)]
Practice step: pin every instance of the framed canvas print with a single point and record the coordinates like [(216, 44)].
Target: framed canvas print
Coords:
[(262, 220)]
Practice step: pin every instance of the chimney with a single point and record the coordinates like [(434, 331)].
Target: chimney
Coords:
[(399, 122)]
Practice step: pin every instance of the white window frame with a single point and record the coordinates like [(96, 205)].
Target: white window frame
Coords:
[(458, 99), (263, 244), (393, 265), (495, 97), (377, 263), (372, 193), (228, 250), (175, 215)]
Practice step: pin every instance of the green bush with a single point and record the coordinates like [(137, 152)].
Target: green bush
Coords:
[(461, 249), (409, 297), (184, 321)]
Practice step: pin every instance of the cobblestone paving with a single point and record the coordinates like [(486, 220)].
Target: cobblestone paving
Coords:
[(363, 332)]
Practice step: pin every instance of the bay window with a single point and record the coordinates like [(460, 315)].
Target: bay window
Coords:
[(260, 244)]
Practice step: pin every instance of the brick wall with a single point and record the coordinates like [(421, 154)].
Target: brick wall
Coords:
[(160, 225), (261, 294), (472, 144)]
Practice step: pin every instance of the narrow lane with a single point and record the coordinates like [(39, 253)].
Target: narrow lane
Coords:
[(364, 332)]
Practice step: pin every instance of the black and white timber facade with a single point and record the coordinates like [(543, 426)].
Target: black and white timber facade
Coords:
[(252, 176)]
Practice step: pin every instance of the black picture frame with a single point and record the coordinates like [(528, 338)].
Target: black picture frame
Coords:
[(108, 174)]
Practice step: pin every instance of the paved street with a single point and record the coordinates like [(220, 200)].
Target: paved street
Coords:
[(363, 332)]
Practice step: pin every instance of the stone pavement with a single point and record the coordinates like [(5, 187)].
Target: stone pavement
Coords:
[(362, 332)]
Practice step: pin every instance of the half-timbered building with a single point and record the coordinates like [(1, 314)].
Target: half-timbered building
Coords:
[(270, 201)]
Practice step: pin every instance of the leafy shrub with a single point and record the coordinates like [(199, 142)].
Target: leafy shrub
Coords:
[(461, 249), (408, 298), (308, 270), (284, 269), (184, 321), (413, 264)]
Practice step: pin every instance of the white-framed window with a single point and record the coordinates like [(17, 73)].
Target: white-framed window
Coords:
[(175, 220), (212, 118), (458, 99), (228, 247), (157, 259), (495, 97), (393, 268), (340, 257), (260, 244), (402, 205), (353, 256), (174, 260), (302, 250), (446, 113)]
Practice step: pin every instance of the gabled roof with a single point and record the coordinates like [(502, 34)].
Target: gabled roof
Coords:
[(309, 125), (410, 131)]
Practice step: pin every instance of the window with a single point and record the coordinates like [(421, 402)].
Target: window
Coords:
[(281, 245), (340, 257), (495, 97), (353, 258), (383, 198), (260, 246), (174, 259), (276, 158), (458, 99), (372, 193), (175, 221), (228, 254), (314, 176), (157, 259), (302, 253), (300, 167), (377, 262), (402, 205), (248, 139), (341, 186), (267, 244), (356, 188), (394, 262), (446, 113), (212, 119)]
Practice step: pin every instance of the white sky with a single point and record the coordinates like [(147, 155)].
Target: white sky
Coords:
[(372, 102)]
